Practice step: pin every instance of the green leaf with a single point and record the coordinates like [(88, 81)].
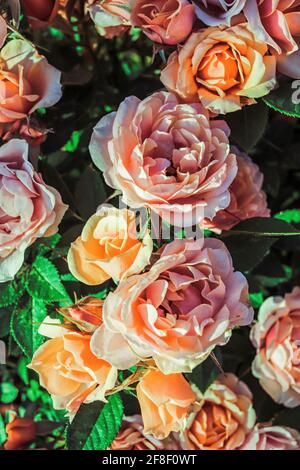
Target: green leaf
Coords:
[(3, 435), (290, 216), (248, 125), (256, 299), (5, 315), (43, 282), (283, 99), (102, 422), (248, 251), (90, 192), (8, 392), (204, 374), (25, 324), (8, 294)]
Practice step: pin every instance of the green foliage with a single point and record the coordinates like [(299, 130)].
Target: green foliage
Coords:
[(9, 294), (289, 215), (8, 392), (43, 282), (25, 323), (281, 99), (101, 425), (204, 374), (90, 192)]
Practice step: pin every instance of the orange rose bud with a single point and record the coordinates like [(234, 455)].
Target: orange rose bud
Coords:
[(86, 313), (20, 431), (165, 402)]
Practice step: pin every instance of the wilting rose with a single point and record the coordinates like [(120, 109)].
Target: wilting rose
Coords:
[(218, 12), (3, 30), (40, 13), (276, 335), (223, 68), (27, 82), (109, 247), (177, 312), (29, 209), (132, 437), (165, 402), (111, 17), (226, 416), (277, 23), (163, 21), (272, 438), (20, 432), (247, 199), (69, 370), (167, 156)]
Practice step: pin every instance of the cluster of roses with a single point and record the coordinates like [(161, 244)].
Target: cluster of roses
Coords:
[(171, 155)]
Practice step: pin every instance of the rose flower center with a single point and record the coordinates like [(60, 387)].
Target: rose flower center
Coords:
[(219, 67)]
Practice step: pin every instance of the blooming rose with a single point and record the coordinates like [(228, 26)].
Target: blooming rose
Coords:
[(40, 13), (69, 370), (226, 416), (224, 68), (178, 311), (111, 17), (20, 431), (3, 30), (165, 402), (29, 208), (163, 21), (167, 156), (272, 438), (132, 437), (277, 23), (109, 248), (218, 12), (247, 199), (276, 335), (86, 314), (27, 82)]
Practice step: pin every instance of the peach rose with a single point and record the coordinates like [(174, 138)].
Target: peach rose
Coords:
[(247, 199), (163, 21), (225, 69), (132, 437), (109, 248), (20, 432), (218, 12), (276, 336), (226, 416), (272, 438), (27, 82), (167, 156), (277, 23), (165, 402), (3, 30), (111, 17), (86, 314), (177, 312), (40, 13), (69, 370), (29, 209)]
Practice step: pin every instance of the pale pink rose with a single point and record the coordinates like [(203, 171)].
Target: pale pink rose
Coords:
[(163, 21), (225, 419), (218, 12), (167, 156), (225, 69), (111, 17), (3, 30), (69, 370), (276, 335), (265, 437), (277, 22), (29, 208), (132, 437), (247, 199), (178, 311), (27, 82)]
